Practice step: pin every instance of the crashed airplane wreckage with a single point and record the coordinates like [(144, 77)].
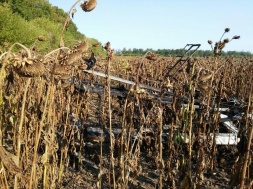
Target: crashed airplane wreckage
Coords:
[(227, 134), (230, 137)]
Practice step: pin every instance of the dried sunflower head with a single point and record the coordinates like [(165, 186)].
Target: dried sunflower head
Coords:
[(28, 67), (152, 56), (226, 40), (89, 5), (236, 37), (107, 46), (19, 62), (227, 29)]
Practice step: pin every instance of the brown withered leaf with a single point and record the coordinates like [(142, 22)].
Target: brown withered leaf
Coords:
[(64, 72), (96, 44), (82, 67), (205, 77), (10, 161), (82, 46), (202, 86), (228, 91), (76, 53)]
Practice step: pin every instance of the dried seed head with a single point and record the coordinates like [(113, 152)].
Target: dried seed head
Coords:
[(29, 68), (226, 40), (152, 56), (107, 46), (89, 5), (227, 30), (236, 37), (210, 42)]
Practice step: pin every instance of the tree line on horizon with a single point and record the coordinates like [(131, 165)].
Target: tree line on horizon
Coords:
[(178, 52)]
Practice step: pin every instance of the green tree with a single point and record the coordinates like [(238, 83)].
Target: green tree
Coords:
[(13, 27), (24, 20)]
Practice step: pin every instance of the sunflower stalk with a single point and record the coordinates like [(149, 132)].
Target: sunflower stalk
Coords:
[(250, 137), (21, 126)]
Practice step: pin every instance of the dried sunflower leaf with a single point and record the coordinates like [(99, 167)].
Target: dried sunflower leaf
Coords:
[(29, 61), (10, 161)]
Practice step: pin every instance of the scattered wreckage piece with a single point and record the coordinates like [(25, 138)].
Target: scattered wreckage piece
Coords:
[(143, 86), (227, 134), (230, 137)]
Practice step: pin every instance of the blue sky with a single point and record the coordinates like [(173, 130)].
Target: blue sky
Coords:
[(165, 24)]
